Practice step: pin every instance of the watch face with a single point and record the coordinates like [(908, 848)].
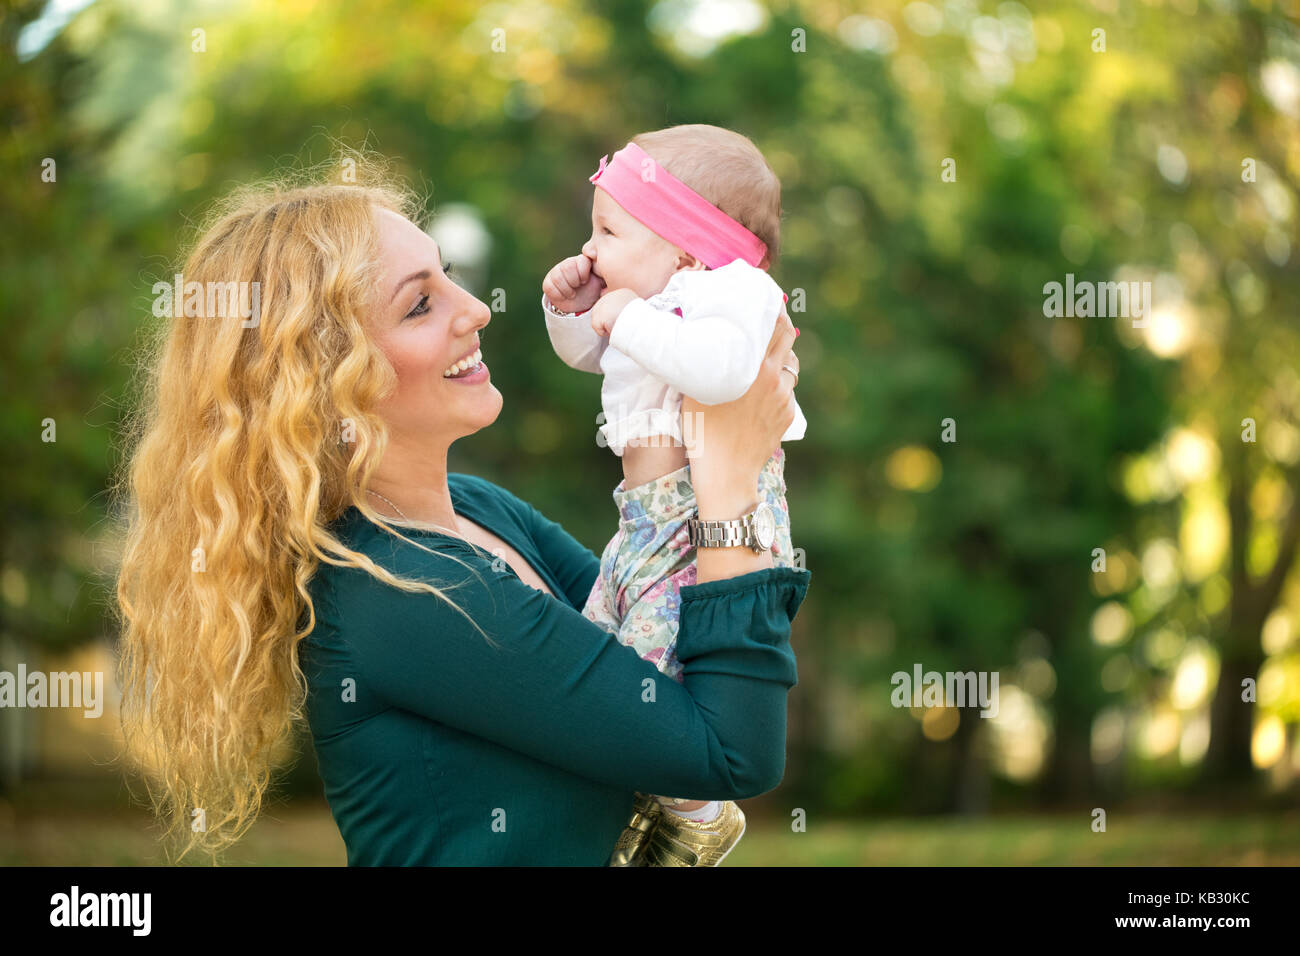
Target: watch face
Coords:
[(764, 526)]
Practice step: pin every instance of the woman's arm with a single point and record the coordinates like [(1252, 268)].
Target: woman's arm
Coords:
[(573, 564), (559, 689), (733, 442)]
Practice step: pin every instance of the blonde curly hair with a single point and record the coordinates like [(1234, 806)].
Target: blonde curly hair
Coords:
[(246, 443)]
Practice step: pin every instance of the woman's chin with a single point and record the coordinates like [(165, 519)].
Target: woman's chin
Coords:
[(489, 405), (478, 408)]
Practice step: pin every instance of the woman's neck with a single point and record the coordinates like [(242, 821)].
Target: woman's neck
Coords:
[(415, 481)]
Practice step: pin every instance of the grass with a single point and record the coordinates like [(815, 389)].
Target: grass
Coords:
[(1189, 839), (78, 824)]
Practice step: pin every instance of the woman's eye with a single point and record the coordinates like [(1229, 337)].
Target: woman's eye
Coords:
[(449, 268), (421, 307)]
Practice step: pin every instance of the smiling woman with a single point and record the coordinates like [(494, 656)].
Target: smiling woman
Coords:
[(429, 327), (265, 580)]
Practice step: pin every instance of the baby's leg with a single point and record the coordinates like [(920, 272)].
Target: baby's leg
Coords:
[(651, 625), (644, 566), (771, 489), (657, 516), (601, 606), (651, 600), (651, 558)]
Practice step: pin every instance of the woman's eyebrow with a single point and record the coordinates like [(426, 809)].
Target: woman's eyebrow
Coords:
[(422, 274)]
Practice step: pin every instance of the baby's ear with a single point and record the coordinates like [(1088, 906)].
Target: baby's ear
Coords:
[(687, 262)]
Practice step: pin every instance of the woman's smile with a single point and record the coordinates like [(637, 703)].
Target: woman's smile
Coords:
[(465, 364), (475, 376)]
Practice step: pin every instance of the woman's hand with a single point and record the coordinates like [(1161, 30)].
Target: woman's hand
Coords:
[(727, 445)]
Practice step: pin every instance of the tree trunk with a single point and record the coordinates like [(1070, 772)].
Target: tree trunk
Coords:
[(1228, 762)]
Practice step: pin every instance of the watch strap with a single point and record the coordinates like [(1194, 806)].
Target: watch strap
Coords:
[(736, 532), (731, 533)]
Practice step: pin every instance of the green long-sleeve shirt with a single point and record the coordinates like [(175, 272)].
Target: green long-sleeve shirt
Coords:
[(438, 749)]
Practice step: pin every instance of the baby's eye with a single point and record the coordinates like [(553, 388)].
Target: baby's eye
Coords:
[(421, 307), (606, 231)]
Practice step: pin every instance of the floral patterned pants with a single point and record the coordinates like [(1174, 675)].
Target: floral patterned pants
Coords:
[(650, 558)]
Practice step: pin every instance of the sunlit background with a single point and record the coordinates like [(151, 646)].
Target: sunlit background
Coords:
[(1103, 510)]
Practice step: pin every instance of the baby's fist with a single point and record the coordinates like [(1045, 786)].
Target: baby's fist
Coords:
[(572, 285)]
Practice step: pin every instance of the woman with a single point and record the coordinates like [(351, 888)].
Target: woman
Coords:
[(297, 548)]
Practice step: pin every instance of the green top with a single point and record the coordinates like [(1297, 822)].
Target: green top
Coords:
[(438, 749)]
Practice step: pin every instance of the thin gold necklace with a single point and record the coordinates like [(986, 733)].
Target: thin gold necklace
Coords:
[(390, 504), (415, 524)]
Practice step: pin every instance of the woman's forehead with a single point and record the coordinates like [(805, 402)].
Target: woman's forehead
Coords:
[(404, 241)]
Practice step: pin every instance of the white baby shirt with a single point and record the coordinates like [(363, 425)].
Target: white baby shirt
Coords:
[(652, 356)]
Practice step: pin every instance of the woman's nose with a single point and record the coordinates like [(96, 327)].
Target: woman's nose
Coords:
[(477, 315), (473, 312)]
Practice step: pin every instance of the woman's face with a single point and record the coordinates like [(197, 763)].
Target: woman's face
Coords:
[(425, 323)]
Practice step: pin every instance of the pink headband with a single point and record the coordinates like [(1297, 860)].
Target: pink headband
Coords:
[(675, 211)]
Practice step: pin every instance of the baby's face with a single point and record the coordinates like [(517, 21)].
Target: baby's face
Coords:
[(626, 253)]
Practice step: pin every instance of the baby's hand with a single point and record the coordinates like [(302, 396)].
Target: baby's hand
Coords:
[(572, 285), (607, 310)]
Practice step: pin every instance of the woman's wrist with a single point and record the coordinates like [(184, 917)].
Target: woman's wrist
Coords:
[(724, 499), (726, 503), (717, 564)]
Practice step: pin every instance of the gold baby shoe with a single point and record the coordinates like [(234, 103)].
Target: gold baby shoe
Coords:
[(631, 845), (677, 841)]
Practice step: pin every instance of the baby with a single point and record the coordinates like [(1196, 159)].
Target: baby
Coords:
[(670, 297)]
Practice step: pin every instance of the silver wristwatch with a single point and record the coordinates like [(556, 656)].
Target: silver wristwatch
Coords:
[(756, 531)]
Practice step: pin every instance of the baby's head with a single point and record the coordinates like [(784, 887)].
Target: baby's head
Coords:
[(721, 166)]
